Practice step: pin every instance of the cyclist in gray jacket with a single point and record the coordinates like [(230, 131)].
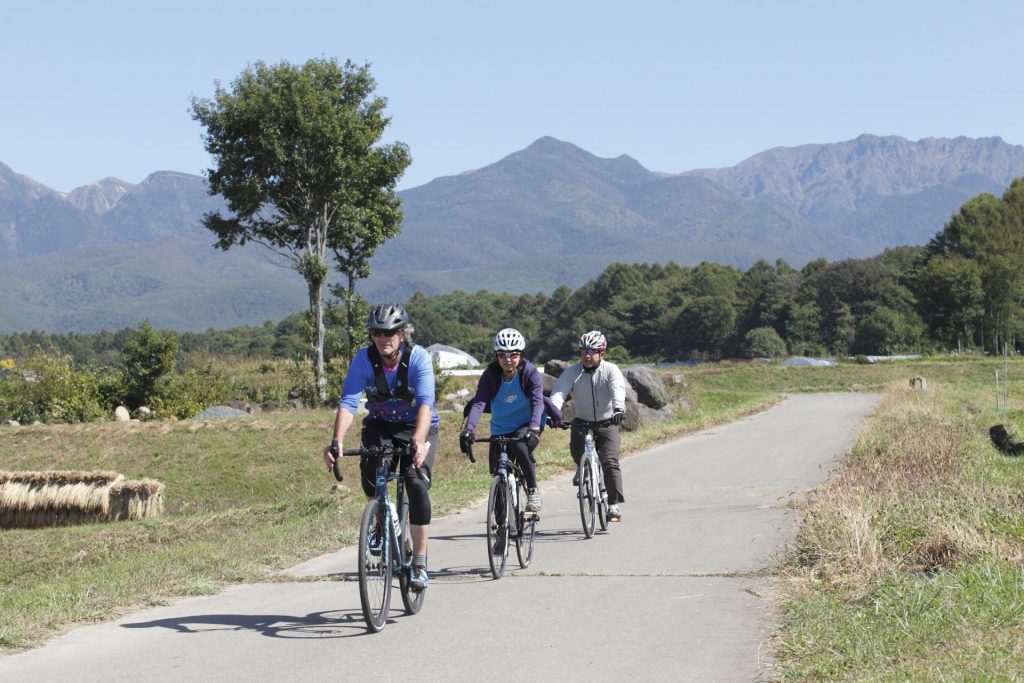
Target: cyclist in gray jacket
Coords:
[(598, 390)]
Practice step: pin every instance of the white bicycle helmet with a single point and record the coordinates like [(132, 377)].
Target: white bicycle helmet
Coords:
[(509, 340), (593, 340)]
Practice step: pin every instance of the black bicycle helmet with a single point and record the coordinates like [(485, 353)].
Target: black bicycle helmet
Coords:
[(387, 317)]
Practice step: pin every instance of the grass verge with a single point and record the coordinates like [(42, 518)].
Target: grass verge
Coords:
[(910, 561)]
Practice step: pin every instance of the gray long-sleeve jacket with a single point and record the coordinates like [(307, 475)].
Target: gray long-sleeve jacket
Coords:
[(596, 395)]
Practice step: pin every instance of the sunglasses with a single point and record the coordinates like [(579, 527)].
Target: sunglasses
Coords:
[(385, 333), (591, 352), (509, 355)]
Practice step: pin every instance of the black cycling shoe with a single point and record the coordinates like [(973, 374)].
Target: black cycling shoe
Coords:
[(376, 542), (499, 545)]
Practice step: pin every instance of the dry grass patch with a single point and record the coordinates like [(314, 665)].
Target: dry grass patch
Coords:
[(909, 552), (30, 500)]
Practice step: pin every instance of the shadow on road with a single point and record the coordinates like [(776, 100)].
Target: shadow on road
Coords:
[(338, 624)]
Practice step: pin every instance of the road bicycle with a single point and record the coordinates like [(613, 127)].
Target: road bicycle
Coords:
[(507, 518), (385, 541), (592, 494)]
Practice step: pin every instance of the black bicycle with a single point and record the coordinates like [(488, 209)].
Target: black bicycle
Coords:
[(385, 543), (507, 518)]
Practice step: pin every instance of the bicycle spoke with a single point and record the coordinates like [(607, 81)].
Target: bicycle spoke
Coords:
[(497, 526), (586, 494), (374, 566)]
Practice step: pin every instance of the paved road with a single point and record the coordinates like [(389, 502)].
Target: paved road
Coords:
[(673, 592)]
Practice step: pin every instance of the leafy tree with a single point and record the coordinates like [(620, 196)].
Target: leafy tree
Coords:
[(298, 161), (50, 389), (801, 323), (763, 342), (147, 357), (990, 233), (763, 294), (886, 332), (712, 279), (703, 326), (951, 298), (558, 329), (837, 326)]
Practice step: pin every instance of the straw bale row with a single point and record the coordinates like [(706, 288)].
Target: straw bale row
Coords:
[(56, 498)]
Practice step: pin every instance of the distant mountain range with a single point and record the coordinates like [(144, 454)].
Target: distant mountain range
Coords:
[(110, 254)]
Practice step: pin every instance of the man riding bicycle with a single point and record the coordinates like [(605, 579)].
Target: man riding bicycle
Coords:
[(513, 388), (398, 379), (598, 390)]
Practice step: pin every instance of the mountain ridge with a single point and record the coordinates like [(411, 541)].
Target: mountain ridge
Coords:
[(549, 214)]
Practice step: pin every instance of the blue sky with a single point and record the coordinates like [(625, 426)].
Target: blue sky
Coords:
[(90, 90)]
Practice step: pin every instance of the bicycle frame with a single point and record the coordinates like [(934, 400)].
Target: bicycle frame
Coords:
[(508, 491), (394, 549), (592, 494)]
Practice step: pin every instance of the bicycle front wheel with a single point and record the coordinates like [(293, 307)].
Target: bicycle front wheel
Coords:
[(497, 526), (602, 499), (588, 501), (527, 523), (374, 566), (413, 600)]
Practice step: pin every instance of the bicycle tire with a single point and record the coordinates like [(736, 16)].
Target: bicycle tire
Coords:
[(413, 600), (527, 527), (497, 526), (602, 500), (588, 504), (374, 569)]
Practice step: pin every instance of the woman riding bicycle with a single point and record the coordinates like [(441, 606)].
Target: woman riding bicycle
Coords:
[(598, 390), (513, 388), (398, 379)]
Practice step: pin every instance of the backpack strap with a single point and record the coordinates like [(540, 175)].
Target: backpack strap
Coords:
[(381, 380)]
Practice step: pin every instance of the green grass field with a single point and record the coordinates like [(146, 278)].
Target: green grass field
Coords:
[(908, 564)]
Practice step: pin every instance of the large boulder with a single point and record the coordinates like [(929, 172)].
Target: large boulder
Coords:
[(555, 368), (650, 390)]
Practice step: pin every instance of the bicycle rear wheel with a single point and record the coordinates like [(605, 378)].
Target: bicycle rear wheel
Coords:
[(588, 502), (527, 527), (497, 526), (374, 566), (413, 600)]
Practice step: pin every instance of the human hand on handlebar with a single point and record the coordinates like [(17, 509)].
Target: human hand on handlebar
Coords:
[(466, 439), (532, 438), (332, 453), (419, 456), (616, 418)]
